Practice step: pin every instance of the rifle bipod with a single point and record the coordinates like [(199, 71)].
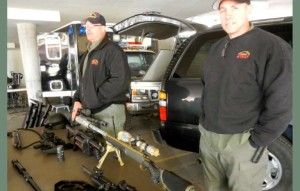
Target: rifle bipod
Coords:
[(110, 148)]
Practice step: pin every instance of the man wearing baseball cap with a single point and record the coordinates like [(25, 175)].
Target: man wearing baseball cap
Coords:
[(104, 77), (217, 3), (247, 100)]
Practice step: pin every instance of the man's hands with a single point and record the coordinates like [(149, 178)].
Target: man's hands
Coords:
[(77, 105)]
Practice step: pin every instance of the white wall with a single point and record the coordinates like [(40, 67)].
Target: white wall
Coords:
[(14, 63)]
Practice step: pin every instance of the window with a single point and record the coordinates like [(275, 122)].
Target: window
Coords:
[(135, 61), (191, 64), (139, 61)]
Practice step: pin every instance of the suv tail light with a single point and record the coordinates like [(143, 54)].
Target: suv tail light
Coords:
[(163, 105)]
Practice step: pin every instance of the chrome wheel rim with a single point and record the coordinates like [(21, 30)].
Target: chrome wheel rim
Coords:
[(274, 173)]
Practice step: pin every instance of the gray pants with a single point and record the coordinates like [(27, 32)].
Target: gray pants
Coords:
[(226, 160), (115, 116)]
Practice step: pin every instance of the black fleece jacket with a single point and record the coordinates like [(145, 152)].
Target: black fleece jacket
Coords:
[(248, 85), (106, 79)]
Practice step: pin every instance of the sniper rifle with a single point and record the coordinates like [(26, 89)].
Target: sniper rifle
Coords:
[(168, 180)]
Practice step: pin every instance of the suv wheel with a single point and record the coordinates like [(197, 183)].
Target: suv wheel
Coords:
[(279, 173)]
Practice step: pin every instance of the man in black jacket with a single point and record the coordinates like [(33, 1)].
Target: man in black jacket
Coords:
[(104, 77), (247, 100)]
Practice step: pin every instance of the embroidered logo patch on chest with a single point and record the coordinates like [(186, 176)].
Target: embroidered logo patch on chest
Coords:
[(243, 55), (94, 62)]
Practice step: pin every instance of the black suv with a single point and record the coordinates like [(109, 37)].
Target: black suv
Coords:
[(181, 93)]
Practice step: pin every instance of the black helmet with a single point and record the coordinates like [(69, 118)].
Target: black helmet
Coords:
[(56, 121)]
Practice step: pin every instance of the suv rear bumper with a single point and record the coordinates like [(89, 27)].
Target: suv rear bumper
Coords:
[(179, 135), (142, 108)]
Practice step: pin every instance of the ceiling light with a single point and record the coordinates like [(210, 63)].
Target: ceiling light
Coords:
[(33, 15)]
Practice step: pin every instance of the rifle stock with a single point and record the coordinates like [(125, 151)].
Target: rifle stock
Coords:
[(168, 180)]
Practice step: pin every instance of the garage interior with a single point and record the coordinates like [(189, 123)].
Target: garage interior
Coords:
[(45, 169)]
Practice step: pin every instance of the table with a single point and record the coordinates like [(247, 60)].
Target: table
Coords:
[(46, 170), (17, 97), (16, 90)]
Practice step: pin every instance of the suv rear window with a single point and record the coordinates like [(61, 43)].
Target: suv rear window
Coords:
[(192, 61), (191, 64)]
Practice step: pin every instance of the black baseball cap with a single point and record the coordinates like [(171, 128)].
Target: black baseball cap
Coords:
[(217, 3), (95, 18)]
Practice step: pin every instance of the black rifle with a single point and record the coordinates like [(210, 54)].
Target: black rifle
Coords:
[(38, 114), (53, 144), (45, 115), (85, 141), (168, 180), (28, 116), (25, 174), (103, 183), (33, 114)]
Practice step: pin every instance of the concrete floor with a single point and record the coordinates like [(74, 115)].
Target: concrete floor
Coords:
[(46, 170)]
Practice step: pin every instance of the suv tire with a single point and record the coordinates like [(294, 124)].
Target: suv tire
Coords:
[(279, 174)]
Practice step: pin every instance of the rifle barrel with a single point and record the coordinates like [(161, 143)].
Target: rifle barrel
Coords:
[(25, 174)]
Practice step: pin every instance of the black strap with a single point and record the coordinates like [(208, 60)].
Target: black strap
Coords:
[(73, 185)]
